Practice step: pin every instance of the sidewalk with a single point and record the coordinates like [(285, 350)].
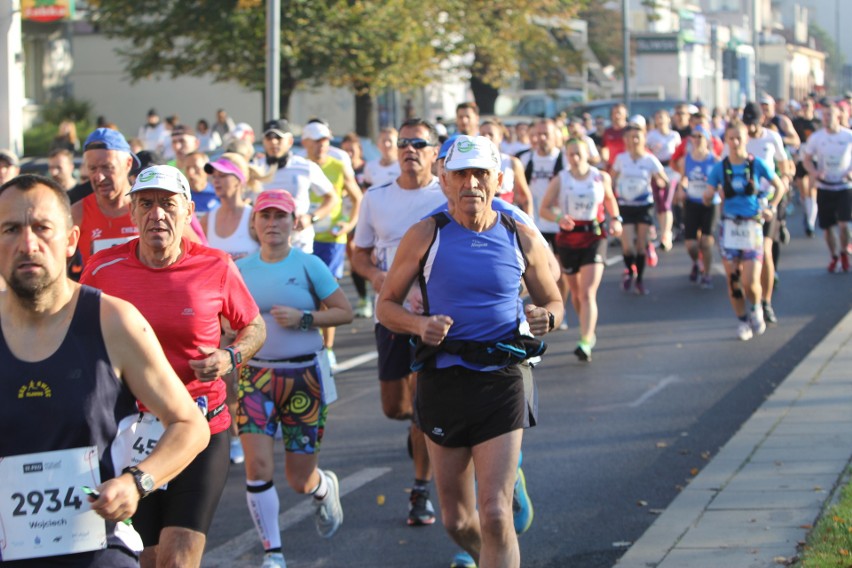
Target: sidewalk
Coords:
[(757, 499)]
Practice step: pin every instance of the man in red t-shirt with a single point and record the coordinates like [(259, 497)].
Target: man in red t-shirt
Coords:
[(183, 289), (613, 137)]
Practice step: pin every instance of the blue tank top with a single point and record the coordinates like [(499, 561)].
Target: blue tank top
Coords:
[(474, 278), (71, 399)]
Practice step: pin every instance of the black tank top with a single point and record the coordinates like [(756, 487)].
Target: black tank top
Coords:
[(72, 399)]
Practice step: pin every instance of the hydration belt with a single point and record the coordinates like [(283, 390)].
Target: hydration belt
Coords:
[(499, 354)]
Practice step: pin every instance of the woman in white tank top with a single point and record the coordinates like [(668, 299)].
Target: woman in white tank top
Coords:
[(227, 226)]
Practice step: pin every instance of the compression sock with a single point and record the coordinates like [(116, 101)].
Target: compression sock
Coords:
[(640, 267), (263, 504), (629, 261), (360, 284)]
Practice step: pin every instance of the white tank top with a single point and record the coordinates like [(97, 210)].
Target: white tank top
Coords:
[(581, 198), (508, 175), (239, 243)]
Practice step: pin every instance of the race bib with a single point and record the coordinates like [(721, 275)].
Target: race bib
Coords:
[(581, 206), (833, 169), (633, 188), (137, 437), (743, 234), (695, 189), (43, 507), (384, 258)]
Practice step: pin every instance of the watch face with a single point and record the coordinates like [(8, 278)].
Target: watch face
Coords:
[(147, 482)]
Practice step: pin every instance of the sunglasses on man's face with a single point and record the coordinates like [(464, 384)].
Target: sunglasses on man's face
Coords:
[(416, 143), (272, 136)]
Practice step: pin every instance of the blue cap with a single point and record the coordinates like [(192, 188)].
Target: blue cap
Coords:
[(109, 139), (445, 147), (699, 129)]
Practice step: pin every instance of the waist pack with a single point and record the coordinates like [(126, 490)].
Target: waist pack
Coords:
[(499, 354)]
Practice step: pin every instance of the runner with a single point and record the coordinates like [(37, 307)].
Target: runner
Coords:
[(352, 144), (488, 442), (287, 382), (117, 359), (227, 226), (635, 174), (662, 141), (514, 189), (613, 136), (183, 289), (737, 181), (805, 124), (831, 148), (387, 212), (576, 199), (700, 220), (385, 168)]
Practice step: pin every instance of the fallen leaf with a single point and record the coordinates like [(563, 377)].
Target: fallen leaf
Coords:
[(621, 544), (662, 445), (642, 503), (705, 455), (693, 472)]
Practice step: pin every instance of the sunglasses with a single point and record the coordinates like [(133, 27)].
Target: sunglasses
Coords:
[(272, 136), (416, 143)]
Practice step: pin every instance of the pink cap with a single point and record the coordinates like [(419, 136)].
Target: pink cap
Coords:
[(276, 199), (225, 166)]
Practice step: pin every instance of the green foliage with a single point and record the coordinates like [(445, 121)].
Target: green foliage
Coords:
[(829, 545), (67, 109), (605, 34), (38, 139)]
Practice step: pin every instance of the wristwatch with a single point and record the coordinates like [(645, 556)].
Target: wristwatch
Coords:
[(307, 320), (144, 481), (314, 219), (618, 218), (551, 321), (236, 356)]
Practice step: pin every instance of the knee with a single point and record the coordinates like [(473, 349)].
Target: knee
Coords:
[(259, 467), (395, 410), (458, 523), (495, 517), (300, 482)]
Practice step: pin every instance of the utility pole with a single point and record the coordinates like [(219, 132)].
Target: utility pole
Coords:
[(11, 78), (755, 34), (625, 32), (273, 60)]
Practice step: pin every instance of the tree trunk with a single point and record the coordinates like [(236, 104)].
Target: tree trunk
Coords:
[(288, 86), (484, 95), (365, 112)]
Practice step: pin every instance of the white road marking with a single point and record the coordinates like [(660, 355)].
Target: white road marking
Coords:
[(645, 397), (613, 260), (229, 552), (356, 361)]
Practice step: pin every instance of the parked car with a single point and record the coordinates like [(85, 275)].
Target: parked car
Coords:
[(602, 108)]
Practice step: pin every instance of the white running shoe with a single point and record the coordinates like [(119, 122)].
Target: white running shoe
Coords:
[(744, 331), (237, 455), (329, 512), (273, 560), (755, 320)]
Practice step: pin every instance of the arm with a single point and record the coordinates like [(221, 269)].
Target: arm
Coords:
[(523, 195), (338, 312), (138, 359), (792, 138), (362, 262), (611, 206), (351, 189), (402, 274), (217, 362), (541, 286), (329, 201), (549, 209)]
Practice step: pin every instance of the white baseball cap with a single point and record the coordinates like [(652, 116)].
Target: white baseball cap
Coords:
[(638, 120), (316, 131), (166, 178), (476, 152)]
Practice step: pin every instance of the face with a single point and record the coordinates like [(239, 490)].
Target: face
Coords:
[(832, 117), (699, 141), (317, 150), (387, 144), (522, 130), (634, 140), (225, 185), (160, 217), (467, 121), (221, 116), (492, 132), (578, 155), (7, 171), (768, 109), (736, 139), (184, 144), (412, 160), (618, 116), (545, 136), (273, 226), (681, 116), (36, 239), (61, 168), (201, 127), (353, 149), (108, 171), (195, 174), (662, 119), (470, 191), (275, 145)]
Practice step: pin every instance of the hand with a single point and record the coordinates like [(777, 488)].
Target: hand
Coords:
[(341, 228), (566, 223), (118, 499), (216, 362), (434, 329), (378, 281), (615, 227), (302, 222), (415, 300), (538, 319), (286, 316), (768, 214)]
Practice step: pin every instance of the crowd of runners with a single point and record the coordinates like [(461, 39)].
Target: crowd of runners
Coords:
[(465, 246)]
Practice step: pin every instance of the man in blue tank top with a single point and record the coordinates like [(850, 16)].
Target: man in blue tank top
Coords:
[(470, 399), (74, 361)]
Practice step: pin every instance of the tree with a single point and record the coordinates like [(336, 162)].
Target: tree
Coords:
[(834, 58), (605, 34)]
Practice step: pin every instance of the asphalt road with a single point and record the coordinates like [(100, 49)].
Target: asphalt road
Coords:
[(617, 438)]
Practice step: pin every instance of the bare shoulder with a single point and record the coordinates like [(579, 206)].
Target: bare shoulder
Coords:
[(527, 235), (121, 319)]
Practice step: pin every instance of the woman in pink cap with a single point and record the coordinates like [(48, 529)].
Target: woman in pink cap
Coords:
[(289, 380)]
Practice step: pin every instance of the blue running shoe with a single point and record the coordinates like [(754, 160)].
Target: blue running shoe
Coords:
[(522, 508), (462, 560)]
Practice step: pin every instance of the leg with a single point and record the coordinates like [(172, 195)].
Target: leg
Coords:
[(707, 244), (767, 274), (589, 281), (735, 293), (751, 270), (180, 548), (454, 481), (574, 289)]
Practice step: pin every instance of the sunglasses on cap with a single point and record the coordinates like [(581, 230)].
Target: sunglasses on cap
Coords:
[(416, 143), (273, 136)]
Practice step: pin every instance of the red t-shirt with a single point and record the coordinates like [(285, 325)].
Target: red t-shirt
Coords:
[(97, 231), (182, 302), (613, 139)]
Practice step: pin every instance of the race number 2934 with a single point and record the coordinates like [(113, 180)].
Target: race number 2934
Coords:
[(43, 507)]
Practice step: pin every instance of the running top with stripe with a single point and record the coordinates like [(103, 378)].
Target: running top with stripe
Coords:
[(98, 232), (71, 399), (239, 243), (633, 186), (474, 278), (183, 303)]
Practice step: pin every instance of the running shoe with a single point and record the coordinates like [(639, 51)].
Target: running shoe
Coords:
[(844, 262), (653, 259), (329, 512), (784, 234), (237, 455), (364, 309), (420, 510), (694, 273), (627, 280), (564, 325), (744, 331), (756, 321), (273, 560), (769, 314), (583, 351), (462, 560), (522, 507), (832, 266), (639, 288), (706, 282)]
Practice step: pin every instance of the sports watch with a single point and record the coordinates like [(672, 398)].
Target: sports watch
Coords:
[(236, 356), (551, 321), (307, 320), (144, 481)]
